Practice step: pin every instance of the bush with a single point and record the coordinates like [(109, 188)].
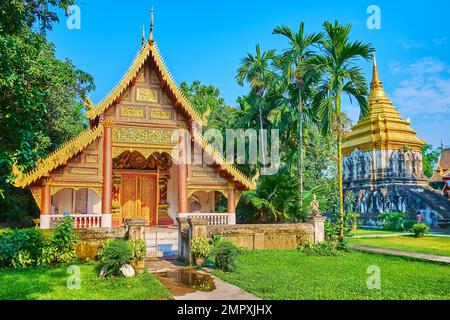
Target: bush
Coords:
[(26, 247), (408, 225), (14, 241), (115, 255), (326, 248), (224, 254), (101, 248), (139, 249), (200, 247), (420, 229), (392, 220)]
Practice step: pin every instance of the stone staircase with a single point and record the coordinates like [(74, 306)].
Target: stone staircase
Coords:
[(161, 242)]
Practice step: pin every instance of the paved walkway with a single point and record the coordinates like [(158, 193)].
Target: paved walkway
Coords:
[(383, 235), (222, 291), (416, 255)]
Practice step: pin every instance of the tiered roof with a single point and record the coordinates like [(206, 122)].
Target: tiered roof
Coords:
[(383, 128), (149, 50)]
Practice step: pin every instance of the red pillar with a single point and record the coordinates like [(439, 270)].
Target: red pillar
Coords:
[(46, 197), (182, 175), (107, 167), (231, 205)]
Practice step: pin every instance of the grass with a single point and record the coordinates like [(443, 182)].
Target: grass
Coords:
[(292, 275), (50, 284), (368, 232), (432, 245)]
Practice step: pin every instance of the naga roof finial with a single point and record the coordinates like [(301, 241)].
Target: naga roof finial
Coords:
[(143, 34), (152, 24)]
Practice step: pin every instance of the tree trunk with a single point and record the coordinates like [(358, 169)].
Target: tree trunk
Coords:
[(300, 151), (261, 136), (340, 178)]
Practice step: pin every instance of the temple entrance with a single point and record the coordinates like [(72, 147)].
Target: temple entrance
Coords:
[(140, 187), (139, 196)]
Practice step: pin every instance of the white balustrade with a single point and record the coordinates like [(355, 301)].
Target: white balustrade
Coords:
[(81, 221), (214, 219)]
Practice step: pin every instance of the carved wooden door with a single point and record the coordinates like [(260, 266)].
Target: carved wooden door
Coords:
[(139, 196)]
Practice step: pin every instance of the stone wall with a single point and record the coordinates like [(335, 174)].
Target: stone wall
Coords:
[(90, 239), (252, 236)]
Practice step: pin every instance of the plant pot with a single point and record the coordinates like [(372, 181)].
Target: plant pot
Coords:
[(199, 261)]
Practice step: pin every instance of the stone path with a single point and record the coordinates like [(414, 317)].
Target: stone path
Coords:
[(390, 235), (222, 290), (421, 256)]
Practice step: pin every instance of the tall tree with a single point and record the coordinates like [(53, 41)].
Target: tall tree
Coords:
[(256, 70), (340, 76), (40, 96), (300, 72)]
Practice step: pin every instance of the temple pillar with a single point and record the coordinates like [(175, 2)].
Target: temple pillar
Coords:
[(107, 193), (46, 204), (231, 205), (182, 175)]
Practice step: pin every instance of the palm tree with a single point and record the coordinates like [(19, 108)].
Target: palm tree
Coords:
[(299, 72), (256, 70), (340, 76)]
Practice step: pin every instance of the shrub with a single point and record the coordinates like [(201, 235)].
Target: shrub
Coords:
[(392, 220), (326, 248), (224, 254), (22, 259), (408, 225), (420, 229), (115, 255), (101, 248), (200, 247), (14, 241), (63, 241), (139, 249)]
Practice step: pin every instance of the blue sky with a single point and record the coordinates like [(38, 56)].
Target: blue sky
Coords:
[(205, 40)]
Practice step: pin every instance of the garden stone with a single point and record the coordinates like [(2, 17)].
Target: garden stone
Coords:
[(102, 272), (127, 271)]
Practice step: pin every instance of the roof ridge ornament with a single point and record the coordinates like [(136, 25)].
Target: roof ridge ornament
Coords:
[(143, 35), (152, 25)]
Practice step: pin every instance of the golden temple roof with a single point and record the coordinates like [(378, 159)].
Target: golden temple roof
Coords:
[(148, 50), (58, 157), (383, 128)]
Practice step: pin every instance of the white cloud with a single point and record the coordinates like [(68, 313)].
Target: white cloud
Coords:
[(425, 88), (409, 44)]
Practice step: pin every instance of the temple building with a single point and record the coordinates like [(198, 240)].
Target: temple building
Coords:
[(383, 164), (123, 165), (441, 177)]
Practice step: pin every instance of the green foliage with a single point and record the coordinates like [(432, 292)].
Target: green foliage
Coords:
[(224, 253), (326, 248), (139, 249), (274, 200), (200, 247), (64, 240), (41, 97), (115, 255), (22, 259), (408, 225), (392, 220), (101, 248), (27, 242), (420, 229), (332, 230), (430, 157)]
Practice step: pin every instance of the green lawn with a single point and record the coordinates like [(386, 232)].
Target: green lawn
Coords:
[(50, 284), (368, 232), (432, 245), (292, 275)]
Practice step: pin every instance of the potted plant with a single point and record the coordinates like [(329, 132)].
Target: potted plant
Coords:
[(200, 249), (420, 229)]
